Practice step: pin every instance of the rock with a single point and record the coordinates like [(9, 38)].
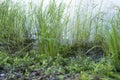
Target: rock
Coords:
[(96, 78), (2, 75), (18, 75)]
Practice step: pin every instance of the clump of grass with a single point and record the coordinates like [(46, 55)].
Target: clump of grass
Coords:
[(12, 27), (87, 29), (50, 27), (112, 40)]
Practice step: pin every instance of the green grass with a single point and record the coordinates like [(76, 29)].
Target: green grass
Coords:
[(50, 27), (90, 32), (112, 40), (12, 27)]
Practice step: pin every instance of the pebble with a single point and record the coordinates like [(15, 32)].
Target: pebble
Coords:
[(2, 75), (18, 75)]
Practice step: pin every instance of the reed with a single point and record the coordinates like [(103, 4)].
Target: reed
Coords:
[(112, 39), (12, 27), (50, 27)]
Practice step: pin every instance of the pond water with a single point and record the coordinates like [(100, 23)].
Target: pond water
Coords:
[(107, 5)]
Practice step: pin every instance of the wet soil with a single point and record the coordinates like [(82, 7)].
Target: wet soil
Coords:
[(6, 74)]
